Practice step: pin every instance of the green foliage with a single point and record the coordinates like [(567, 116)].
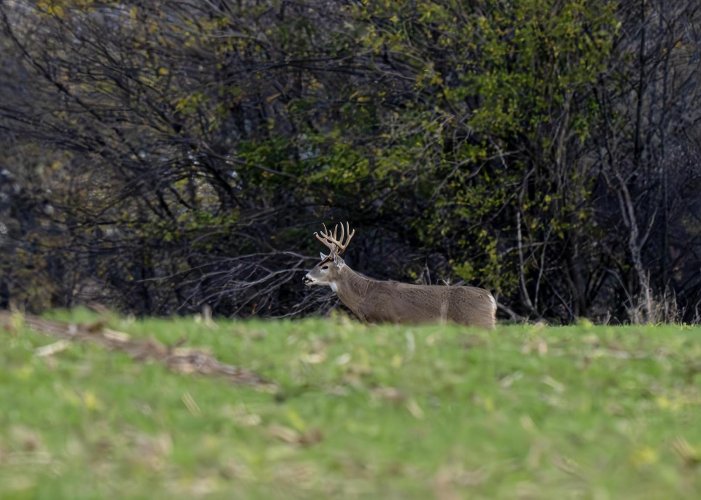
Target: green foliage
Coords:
[(506, 97), (481, 134), (377, 411)]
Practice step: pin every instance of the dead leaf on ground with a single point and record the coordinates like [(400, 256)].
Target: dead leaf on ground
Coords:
[(291, 436), (391, 394), (689, 455), (51, 349)]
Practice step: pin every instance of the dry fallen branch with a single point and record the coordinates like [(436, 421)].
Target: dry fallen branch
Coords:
[(176, 358)]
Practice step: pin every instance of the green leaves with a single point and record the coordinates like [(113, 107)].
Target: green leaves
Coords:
[(474, 128)]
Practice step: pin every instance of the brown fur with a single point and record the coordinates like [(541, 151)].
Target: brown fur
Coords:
[(392, 302)]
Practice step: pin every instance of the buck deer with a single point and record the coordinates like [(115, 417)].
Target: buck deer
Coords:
[(389, 301)]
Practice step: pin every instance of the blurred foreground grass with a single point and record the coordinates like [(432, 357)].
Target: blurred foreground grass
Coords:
[(361, 411)]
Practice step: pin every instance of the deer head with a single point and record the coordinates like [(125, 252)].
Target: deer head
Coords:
[(327, 272)]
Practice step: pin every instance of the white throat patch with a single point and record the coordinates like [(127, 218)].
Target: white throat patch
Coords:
[(333, 286)]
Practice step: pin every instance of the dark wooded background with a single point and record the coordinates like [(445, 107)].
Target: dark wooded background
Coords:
[(160, 155)]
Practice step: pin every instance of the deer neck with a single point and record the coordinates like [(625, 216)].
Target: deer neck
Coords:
[(351, 288)]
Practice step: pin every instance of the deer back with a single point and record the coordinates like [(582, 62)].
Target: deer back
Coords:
[(393, 302)]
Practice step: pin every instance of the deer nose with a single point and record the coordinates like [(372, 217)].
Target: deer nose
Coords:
[(307, 279)]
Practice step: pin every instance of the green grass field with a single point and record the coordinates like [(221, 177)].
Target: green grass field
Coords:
[(360, 412)]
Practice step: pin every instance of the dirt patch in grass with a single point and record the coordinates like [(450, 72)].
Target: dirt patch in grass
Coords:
[(177, 358)]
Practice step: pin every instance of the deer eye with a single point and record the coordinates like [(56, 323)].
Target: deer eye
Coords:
[(325, 267)]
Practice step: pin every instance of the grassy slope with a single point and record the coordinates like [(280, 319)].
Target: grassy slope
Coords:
[(389, 412)]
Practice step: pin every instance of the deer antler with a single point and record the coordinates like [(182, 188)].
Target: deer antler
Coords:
[(331, 240)]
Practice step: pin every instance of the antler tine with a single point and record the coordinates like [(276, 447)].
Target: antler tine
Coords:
[(326, 239), (342, 233), (347, 235), (350, 234), (332, 241)]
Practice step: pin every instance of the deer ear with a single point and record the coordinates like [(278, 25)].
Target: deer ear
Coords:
[(338, 260), (323, 257)]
